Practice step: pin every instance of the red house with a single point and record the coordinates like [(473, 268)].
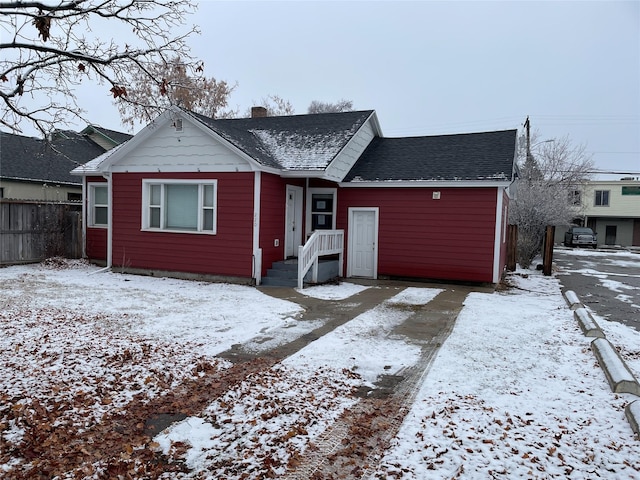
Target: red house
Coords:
[(229, 199)]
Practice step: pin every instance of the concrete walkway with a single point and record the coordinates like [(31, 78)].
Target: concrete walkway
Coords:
[(363, 433)]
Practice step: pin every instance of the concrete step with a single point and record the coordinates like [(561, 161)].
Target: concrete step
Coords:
[(279, 282), (285, 273)]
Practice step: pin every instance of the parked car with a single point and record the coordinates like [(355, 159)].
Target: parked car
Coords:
[(580, 237)]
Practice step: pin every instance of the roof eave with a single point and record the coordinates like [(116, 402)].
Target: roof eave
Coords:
[(39, 180), (426, 184)]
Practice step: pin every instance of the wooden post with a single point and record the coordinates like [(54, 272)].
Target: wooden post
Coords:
[(512, 247), (548, 250)]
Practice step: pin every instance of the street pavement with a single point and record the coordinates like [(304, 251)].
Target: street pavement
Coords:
[(606, 282)]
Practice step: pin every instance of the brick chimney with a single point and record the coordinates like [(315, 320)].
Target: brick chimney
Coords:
[(258, 112)]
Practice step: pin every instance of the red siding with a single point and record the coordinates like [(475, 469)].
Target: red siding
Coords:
[(96, 244), (272, 218), (448, 239), (228, 253)]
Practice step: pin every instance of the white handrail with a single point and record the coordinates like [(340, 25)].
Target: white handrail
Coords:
[(322, 242)]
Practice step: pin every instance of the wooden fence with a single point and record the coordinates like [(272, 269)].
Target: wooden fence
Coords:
[(34, 231)]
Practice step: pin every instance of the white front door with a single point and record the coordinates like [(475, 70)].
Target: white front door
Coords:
[(293, 226), (363, 243)]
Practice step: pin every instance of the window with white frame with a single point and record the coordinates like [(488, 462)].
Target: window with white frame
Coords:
[(179, 205), (602, 198), (98, 205)]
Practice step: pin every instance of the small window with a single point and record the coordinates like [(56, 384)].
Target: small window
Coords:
[(322, 211), (179, 206), (74, 197), (602, 198), (1, 192), (99, 205)]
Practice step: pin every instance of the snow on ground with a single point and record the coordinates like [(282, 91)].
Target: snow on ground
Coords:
[(213, 316), (514, 391), (272, 418)]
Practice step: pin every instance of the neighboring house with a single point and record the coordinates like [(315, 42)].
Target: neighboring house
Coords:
[(38, 169), (612, 209), (228, 199)]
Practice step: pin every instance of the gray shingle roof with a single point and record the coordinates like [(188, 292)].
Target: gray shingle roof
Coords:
[(471, 156), (35, 159), (296, 142)]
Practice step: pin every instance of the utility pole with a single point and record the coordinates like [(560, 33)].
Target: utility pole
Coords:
[(527, 127)]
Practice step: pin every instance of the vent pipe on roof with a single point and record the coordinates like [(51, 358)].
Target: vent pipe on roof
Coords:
[(258, 112)]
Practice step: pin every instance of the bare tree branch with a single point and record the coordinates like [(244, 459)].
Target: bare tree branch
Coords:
[(176, 83), (317, 106), (55, 47)]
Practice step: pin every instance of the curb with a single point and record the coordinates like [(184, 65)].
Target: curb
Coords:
[(633, 414), (572, 299), (619, 376), (588, 325)]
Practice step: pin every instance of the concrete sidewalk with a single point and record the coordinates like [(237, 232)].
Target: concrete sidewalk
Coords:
[(382, 409), (428, 326)]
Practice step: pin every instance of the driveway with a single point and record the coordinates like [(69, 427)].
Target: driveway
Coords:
[(606, 282)]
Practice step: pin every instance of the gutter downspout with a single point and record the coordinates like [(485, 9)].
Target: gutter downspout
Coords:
[(500, 224), (85, 216), (257, 251), (108, 177)]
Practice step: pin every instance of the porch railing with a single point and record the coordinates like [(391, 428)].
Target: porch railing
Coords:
[(322, 242)]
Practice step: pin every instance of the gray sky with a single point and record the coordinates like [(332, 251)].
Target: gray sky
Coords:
[(431, 68)]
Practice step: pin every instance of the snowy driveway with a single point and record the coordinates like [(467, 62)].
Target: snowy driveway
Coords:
[(85, 358)]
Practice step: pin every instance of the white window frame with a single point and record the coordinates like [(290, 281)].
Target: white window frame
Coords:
[(320, 191), (92, 204), (146, 197)]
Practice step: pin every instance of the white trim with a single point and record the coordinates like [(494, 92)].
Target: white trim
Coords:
[(426, 184), (91, 214), (147, 182), (310, 192), (85, 209), (497, 236), (257, 251), (351, 211)]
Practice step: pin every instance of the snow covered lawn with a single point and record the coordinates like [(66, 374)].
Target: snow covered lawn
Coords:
[(514, 392)]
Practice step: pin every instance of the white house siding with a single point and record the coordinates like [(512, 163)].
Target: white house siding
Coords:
[(341, 165), (189, 150), (619, 205), (623, 213), (38, 190)]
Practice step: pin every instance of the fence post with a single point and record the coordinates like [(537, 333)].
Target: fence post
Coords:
[(547, 256), (512, 247)]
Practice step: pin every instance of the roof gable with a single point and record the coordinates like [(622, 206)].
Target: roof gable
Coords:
[(104, 137), (291, 143), (463, 157)]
